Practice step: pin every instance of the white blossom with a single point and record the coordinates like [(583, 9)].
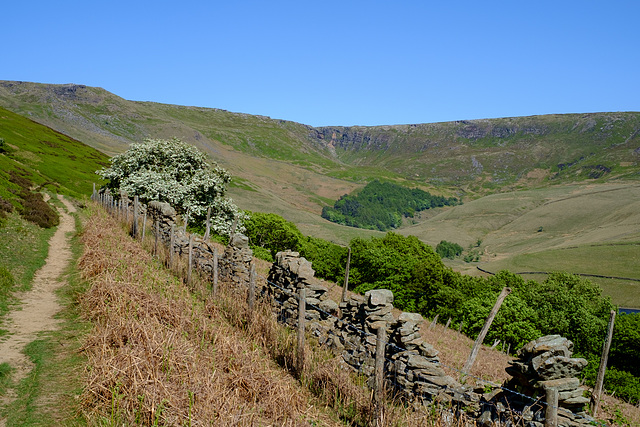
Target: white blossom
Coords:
[(175, 172)]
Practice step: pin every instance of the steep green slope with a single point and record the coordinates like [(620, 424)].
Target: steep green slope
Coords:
[(475, 157), (45, 157)]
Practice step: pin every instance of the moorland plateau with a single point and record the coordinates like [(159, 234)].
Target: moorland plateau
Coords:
[(540, 193)]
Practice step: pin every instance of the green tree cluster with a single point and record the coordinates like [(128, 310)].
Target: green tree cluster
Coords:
[(448, 249), (382, 205), (563, 304)]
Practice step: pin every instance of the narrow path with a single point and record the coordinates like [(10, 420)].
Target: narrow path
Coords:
[(38, 307)]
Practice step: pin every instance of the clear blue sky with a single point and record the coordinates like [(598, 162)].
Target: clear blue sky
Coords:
[(337, 62)]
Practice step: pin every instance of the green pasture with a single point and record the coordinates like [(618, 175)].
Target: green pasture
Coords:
[(615, 260)]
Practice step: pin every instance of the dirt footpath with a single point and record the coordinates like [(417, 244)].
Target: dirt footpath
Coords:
[(37, 307)]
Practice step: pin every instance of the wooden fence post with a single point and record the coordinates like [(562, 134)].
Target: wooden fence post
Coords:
[(157, 236), (208, 230), (302, 303), (171, 243), (434, 322), (144, 225), (214, 287), (251, 297), (378, 390), (448, 323), (483, 332), (597, 390), (190, 267), (551, 414), (134, 225), (186, 220), (346, 277)]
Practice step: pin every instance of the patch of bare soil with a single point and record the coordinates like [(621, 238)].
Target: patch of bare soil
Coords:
[(38, 306)]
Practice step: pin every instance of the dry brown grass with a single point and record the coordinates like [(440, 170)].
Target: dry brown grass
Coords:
[(159, 355), (163, 353)]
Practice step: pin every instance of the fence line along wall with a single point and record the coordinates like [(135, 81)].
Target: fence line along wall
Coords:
[(412, 368)]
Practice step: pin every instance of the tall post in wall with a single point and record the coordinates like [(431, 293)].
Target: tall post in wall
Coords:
[(144, 225), (381, 340), (346, 276), (551, 413), (156, 237), (214, 286), (597, 390), (190, 267), (483, 332), (302, 303), (172, 241), (134, 225), (208, 229), (251, 296)]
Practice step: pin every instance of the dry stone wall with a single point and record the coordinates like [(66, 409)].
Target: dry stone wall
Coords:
[(412, 366)]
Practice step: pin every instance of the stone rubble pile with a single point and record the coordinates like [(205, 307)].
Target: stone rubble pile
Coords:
[(235, 263), (289, 273), (547, 363)]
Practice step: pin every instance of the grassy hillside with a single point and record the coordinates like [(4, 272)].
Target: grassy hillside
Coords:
[(294, 161), (588, 229), (573, 176), (480, 155), (47, 158)]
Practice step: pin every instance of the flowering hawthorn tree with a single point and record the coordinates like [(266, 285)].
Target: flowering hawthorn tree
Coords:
[(175, 172)]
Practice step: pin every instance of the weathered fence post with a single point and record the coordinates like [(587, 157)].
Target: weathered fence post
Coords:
[(448, 323), (434, 322), (597, 390), (186, 220), (93, 195), (208, 230), (551, 414), (251, 296), (302, 302), (378, 390), (172, 240), (144, 225), (214, 286), (483, 332), (157, 236), (134, 225), (190, 267), (346, 277)]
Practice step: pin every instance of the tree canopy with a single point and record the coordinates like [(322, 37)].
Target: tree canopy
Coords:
[(381, 206), (175, 172)]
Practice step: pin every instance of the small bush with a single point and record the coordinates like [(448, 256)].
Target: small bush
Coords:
[(36, 210), (625, 385), (448, 249), (5, 208)]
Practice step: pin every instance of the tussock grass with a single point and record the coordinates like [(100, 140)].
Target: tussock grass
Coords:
[(164, 353), (158, 355)]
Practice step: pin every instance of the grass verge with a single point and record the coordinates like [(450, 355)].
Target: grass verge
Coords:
[(48, 395)]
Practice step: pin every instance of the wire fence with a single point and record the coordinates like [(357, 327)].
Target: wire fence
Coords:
[(536, 407)]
